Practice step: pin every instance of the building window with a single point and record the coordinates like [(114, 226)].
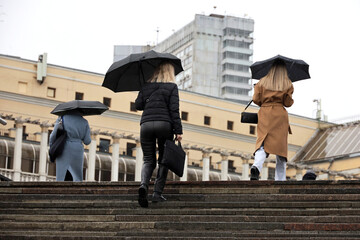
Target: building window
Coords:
[(24, 135), (236, 32), (132, 107), (236, 55), (104, 145), (129, 148), (51, 92), (79, 96), (210, 160), (231, 167), (107, 101), (230, 125), (207, 120), (234, 43), (184, 116), (188, 49), (187, 61), (235, 67), (236, 79), (252, 130), (234, 90)]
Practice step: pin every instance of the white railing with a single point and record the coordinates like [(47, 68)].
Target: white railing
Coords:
[(9, 173), (25, 176)]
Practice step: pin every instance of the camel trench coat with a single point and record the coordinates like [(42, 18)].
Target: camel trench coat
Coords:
[(273, 120)]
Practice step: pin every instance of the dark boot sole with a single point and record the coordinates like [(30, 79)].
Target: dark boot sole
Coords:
[(254, 175), (143, 202)]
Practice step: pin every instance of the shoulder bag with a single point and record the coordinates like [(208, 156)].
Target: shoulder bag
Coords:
[(247, 117), (57, 147), (174, 157)]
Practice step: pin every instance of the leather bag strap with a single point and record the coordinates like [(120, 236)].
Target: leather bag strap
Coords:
[(248, 105)]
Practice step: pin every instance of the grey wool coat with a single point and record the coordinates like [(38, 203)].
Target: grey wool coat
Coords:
[(72, 158)]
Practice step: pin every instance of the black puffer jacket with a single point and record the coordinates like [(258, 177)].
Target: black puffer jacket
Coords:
[(160, 102)]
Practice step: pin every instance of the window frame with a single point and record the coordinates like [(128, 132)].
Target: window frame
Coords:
[(252, 130), (231, 126), (207, 120), (107, 99), (81, 94), (54, 92), (132, 107), (184, 116)]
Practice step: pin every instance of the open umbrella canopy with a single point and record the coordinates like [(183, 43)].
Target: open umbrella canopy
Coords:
[(130, 73), (297, 69), (82, 106)]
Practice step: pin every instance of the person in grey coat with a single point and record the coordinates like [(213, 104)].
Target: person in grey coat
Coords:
[(69, 165)]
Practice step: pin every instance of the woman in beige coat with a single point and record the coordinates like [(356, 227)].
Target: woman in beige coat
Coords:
[(272, 93)]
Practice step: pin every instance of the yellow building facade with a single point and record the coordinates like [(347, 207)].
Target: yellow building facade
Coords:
[(211, 125)]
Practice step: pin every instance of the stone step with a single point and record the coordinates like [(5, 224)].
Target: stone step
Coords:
[(182, 197), (165, 234), (178, 218), (208, 210), (178, 204), (76, 226), (268, 226), (190, 226), (183, 212), (317, 191), (161, 234), (173, 186), (239, 218), (83, 189), (181, 192)]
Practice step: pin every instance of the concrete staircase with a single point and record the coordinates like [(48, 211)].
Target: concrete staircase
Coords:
[(194, 210)]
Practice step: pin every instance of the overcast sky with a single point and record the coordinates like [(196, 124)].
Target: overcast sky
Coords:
[(82, 33)]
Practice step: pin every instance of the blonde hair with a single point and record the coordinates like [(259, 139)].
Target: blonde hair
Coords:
[(163, 73), (277, 78)]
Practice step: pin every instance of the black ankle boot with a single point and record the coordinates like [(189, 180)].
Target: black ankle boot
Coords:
[(254, 173), (143, 192), (157, 197)]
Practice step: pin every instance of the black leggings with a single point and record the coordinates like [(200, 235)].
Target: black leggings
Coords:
[(150, 133)]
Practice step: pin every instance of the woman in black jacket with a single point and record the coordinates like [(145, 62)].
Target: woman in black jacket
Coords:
[(159, 100)]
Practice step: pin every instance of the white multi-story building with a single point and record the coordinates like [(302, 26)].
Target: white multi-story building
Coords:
[(122, 51), (216, 53)]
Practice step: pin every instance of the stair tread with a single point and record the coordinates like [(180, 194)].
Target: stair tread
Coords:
[(166, 211), (177, 218), (209, 210)]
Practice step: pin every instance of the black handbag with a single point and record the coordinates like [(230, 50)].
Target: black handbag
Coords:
[(174, 157), (247, 117), (57, 147)]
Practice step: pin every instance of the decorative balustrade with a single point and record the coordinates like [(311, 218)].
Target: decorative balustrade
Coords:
[(18, 175)]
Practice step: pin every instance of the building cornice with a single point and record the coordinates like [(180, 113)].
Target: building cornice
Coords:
[(50, 65)]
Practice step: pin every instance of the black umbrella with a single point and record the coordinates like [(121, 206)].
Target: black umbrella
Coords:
[(130, 73), (297, 69), (81, 106)]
